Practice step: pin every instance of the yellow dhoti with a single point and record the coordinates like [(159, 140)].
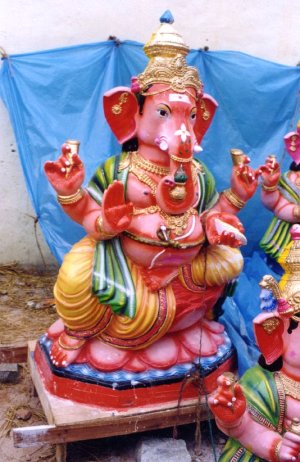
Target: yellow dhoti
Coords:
[(85, 317)]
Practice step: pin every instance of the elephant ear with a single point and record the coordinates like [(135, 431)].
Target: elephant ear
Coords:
[(120, 108), (268, 331), (206, 108)]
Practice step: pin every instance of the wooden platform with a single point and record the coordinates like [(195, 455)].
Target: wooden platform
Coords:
[(69, 421), (16, 353)]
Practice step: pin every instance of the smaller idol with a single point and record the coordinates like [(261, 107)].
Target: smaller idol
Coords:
[(281, 195), (261, 414)]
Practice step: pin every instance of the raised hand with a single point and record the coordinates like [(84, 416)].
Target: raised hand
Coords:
[(270, 172), (224, 229), (66, 174), (228, 403), (116, 213), (244, 179)]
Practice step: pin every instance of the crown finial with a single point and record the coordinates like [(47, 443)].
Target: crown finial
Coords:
[(167, 64), (167, 17)]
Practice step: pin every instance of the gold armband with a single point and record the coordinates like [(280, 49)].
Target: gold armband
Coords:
[(233, 199), (99, 227), (269, 188), (72, 199), (296, 211)]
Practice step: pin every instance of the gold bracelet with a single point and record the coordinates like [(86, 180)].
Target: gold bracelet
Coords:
[(233, 198), (269, 188), (276, 451), (99, 227), (72, 199)]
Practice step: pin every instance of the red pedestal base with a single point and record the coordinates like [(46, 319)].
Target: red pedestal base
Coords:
[(109, 398)]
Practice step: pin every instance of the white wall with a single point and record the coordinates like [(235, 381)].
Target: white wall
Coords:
[(265, 28)]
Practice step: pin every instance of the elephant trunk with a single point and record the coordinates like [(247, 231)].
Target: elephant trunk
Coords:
[(176, 192)]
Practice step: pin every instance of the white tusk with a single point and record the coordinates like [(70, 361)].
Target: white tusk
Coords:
[(197, 148)]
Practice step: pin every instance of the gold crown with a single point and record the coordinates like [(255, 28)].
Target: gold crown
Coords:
[(167, 52)]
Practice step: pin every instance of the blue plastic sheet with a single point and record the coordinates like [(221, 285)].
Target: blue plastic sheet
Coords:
[(57, 94)]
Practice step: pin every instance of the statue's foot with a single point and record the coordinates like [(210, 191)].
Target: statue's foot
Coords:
[(65, 350)]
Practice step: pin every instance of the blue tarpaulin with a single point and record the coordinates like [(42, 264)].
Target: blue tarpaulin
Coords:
[(55, 95)]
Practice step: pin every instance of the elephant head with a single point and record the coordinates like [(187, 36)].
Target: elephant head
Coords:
[(169, 127), (167, 112)]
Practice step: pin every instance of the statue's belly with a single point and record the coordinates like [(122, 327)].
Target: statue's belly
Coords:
[(143, 245)]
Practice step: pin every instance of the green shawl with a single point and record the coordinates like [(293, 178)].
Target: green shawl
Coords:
[(112, 281), (277, 236)]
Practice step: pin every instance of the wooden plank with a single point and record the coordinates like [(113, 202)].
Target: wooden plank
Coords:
[(117, 425), (13, 353), (61, 453), (38, 385)]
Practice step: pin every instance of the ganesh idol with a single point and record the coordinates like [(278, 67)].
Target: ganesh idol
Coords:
[(261, 413), (137, 293)]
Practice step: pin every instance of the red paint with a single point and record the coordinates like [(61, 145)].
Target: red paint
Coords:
[(108, 398)]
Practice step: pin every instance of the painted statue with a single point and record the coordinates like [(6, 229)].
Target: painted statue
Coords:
[(137, 293), (281, 195), (261, 414)]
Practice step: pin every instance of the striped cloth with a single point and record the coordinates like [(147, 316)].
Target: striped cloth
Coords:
[(277, 236)]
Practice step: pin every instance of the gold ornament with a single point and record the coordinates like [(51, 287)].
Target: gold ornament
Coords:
[(68, 347), (117, 108), (291, 387), (144, 164), (296, 211), (144, 178), (72, 199), (271, 324), (99, 227), (169, 243), (237, 156), (233, 199), (146, 210), (177, 223), (167, 52), (269, 188), (180, 159), (178, 193)]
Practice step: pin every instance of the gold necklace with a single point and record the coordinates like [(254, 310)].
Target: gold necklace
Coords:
[(144, 164), (291, 386), (177, 223), (144, 178)]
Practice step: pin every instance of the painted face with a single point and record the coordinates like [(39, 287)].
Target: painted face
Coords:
[(167, 119)]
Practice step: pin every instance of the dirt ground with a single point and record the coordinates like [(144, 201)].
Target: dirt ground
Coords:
[(26, 310)]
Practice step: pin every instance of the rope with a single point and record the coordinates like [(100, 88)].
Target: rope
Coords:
[(3, 53), (35, 221)]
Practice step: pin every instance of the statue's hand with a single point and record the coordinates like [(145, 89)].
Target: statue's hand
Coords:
[(270, 172), (66, 174), (290, 447), (228, 402), (224, 229), (116, 213), (244, 180)]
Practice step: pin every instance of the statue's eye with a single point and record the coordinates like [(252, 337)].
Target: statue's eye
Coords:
[(193, 114), (163, 111)]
